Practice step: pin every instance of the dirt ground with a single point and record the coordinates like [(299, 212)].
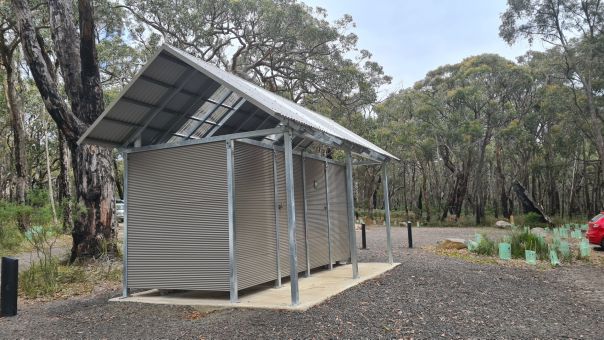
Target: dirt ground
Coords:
[(427, 296)]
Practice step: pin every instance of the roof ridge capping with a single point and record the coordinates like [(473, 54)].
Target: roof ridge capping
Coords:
[(268, 101)]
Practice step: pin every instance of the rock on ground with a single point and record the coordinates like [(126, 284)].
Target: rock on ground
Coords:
[(453, 243), (503, 224)]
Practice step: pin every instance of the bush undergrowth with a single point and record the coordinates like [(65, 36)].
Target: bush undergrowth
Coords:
[(525, 240), (486, 247)]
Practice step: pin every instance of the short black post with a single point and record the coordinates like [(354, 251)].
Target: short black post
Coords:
[(8, 288), (409, 234), (363, 236)]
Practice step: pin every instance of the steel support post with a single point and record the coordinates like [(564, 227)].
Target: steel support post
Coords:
[(351, 231), (276, 195), (387, 212), (291, 216), (230, 163), (307, 248), (327, 213), (125, 242)]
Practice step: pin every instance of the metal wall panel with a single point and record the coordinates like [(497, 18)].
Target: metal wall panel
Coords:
[(300, 231), (338, 213), (317, 212), (177, 218), (256, 243), (299, 205)]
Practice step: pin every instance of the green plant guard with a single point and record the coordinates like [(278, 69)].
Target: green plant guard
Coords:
[(472, 245), (584, 227), (564, 249), (505, 251), (584, 248), (478, 238), (563, 233), (553, 258), (541, 241), (577, 234), (530, 256), (556, 242)]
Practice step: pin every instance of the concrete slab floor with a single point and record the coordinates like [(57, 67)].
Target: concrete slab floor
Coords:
[(315, 289)]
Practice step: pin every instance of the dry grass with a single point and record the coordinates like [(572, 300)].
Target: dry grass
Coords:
[(66, 281)]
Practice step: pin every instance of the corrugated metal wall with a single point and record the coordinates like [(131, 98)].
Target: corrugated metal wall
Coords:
[(256, 244), (299, 205), (255, 219), (177, 218), (338, 211), (316, 213), (178, 221)]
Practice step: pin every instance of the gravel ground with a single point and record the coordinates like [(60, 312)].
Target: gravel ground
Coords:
[(427, 296)]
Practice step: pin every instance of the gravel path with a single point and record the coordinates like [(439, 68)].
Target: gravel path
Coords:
[(427, 296)]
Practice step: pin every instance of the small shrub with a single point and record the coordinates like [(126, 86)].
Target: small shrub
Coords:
[(10, 239), (40, 279), (525, 240), (486, 247), (533, 219)]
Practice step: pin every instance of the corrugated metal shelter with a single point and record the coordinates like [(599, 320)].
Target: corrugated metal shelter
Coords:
[(220, 191)]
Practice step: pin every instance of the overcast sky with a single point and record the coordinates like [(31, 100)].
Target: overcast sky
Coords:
[(411, 37)]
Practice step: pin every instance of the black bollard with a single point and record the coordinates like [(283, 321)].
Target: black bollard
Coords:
[(409, 234), (8, 288), (363, 236)]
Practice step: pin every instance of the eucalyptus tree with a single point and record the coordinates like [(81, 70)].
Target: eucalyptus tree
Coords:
[(76, 56), (283, 45), (575, 29), (9, 44)]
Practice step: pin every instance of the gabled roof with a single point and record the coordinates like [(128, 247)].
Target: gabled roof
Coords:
[(177, 96)]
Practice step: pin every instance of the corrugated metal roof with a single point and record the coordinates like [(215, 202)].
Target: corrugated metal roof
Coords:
[(177, 96)]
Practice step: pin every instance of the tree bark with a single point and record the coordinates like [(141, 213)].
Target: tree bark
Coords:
[(51, 195), (118, 180), (64, 185), (92, 165)]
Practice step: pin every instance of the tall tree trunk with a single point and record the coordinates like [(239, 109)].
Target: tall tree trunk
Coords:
[(424, 193), (503, 196), (95, 183), (460, 187), (17, 127), (92, 165), (479, 188), (597, 131), (51, 195), (64, 185), (120, 186)]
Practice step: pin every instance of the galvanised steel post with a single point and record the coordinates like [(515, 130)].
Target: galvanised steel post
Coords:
[(291, 216), (328, 222), (307, 248), (231, 212), (125, 241), (276, 194), (387, 212), (351, 231)]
